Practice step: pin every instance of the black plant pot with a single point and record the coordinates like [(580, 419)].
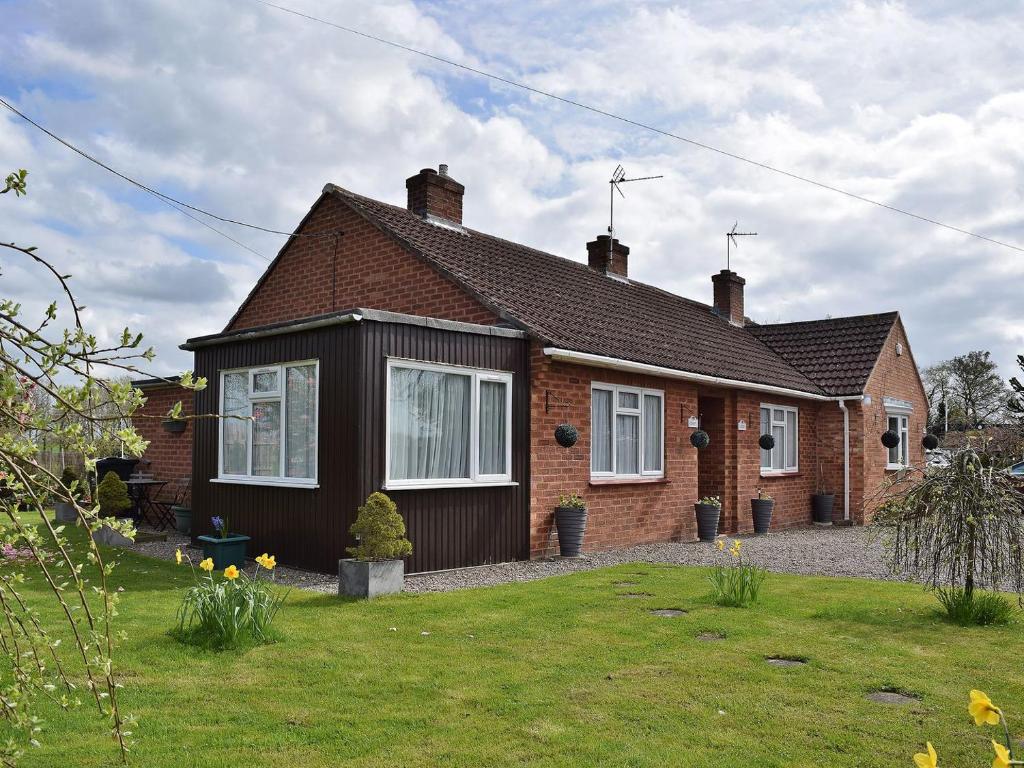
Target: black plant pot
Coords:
[(571, 523), (174, 425), (762, 510), (707, 521), (821, 507)]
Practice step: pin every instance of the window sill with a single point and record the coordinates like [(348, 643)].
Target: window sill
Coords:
[(895, 467), (271, 483), (599, 481), (444, 486), (781, 473)]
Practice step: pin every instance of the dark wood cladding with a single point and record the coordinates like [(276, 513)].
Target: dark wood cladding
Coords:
[(308, 528)]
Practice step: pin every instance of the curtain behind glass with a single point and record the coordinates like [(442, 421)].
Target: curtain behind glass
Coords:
[(766, 456), (266, 439), (652, 433), (601, 428), (429, 424), (627, 444), (791, 439), (235, 442), (492, 428), (300, 421)]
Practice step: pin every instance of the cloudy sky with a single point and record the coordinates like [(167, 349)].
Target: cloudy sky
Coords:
[(247, 111)]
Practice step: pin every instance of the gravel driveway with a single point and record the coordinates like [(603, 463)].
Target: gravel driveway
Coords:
[(837, 551)]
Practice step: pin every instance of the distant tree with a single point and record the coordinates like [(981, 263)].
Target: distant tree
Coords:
[(1016, 404), (966, 391)]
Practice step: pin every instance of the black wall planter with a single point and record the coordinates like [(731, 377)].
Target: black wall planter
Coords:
[(174, 425), (571, 523), (766, 441), (700, 439), (762, 511), (821, 508), (707, 521), (890, 439), (566, 435)]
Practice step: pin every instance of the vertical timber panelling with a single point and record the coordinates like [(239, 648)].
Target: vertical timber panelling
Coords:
[(450, 527)]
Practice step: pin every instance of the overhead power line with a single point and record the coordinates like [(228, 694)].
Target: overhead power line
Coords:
[(178, 205), (637, 124)]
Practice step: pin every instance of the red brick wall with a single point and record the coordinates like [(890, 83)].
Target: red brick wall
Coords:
[(169, 453), (618, 515), (894, 376), (371, 270)]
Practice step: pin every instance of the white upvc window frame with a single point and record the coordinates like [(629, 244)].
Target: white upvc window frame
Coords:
[(787, 469), (476, 479), (641, 393), (902, 419), (280, 396)]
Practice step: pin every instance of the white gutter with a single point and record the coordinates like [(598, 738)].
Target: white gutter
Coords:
[(846, 460), (617, 364)]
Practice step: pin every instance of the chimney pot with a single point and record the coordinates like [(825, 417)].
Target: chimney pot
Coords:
[(729, 296), (608, 261), (435, 194)]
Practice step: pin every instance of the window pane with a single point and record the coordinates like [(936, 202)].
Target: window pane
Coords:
[(905, 440), (791, 439), (492, 427), (629, 400), (778, 415), (778, 432), (627, 444), (652, 433), (766, 456), (300, 421), (601, 431), (894, 426), (264, 381), (266, 439), (429, 418), (235, 425)]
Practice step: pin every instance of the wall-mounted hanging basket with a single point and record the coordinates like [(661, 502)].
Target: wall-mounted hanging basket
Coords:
[(174, 425), (700, 439), (930, 442), (566, 435), (766, 441), (890, 439)]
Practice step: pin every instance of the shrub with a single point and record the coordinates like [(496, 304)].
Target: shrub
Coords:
[(572, 501), (974, 608), (379, 531), (112, 495), (223, 612), (737, 584), (711, 501)]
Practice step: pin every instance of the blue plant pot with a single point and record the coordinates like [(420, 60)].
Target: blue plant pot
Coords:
[(226, 551)]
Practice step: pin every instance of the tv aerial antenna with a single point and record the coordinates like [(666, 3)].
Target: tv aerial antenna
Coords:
[(619, 177), (732, 242)]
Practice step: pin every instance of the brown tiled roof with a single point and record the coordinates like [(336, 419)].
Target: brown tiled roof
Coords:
[(568, 305), (837, 354)]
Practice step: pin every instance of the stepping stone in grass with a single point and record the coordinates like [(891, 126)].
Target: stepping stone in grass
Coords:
[(786, 661), (889, 696), (668, 613), (635, 594), (710, 637)]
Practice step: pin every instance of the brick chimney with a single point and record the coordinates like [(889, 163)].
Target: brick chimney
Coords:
[(729, 296), (614, 262), (435, 193)]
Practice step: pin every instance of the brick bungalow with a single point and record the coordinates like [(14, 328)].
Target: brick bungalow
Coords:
[(394, 348)]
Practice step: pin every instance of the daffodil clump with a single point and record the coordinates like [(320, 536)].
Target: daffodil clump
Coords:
[(222, 612), (736, 583), (984, 713)]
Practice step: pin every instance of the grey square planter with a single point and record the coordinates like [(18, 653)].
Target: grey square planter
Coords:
[(64, 512), (111, 538), (370, 578)]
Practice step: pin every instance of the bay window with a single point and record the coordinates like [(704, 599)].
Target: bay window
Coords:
[(782, 422), (447, 425), (627, 432), (268, 425)]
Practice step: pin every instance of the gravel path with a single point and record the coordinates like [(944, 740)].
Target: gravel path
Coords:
[(836, 551)]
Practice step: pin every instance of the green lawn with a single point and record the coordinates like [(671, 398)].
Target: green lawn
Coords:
[(556, 672)]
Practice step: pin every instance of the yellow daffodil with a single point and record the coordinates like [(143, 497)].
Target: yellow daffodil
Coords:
[(207, 564), (177, 556), (982, 709), (231, 573), (720, 544), (1002, 758), (267, 561), (931, 760), (735, 550)]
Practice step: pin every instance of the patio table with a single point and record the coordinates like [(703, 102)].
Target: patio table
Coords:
[(143, 493)]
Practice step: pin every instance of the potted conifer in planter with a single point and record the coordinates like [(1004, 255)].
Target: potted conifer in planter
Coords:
[(112, 496), (224, 548), (571, 522), (376, 566), (822, 502), (762, 508), (708, 511)]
